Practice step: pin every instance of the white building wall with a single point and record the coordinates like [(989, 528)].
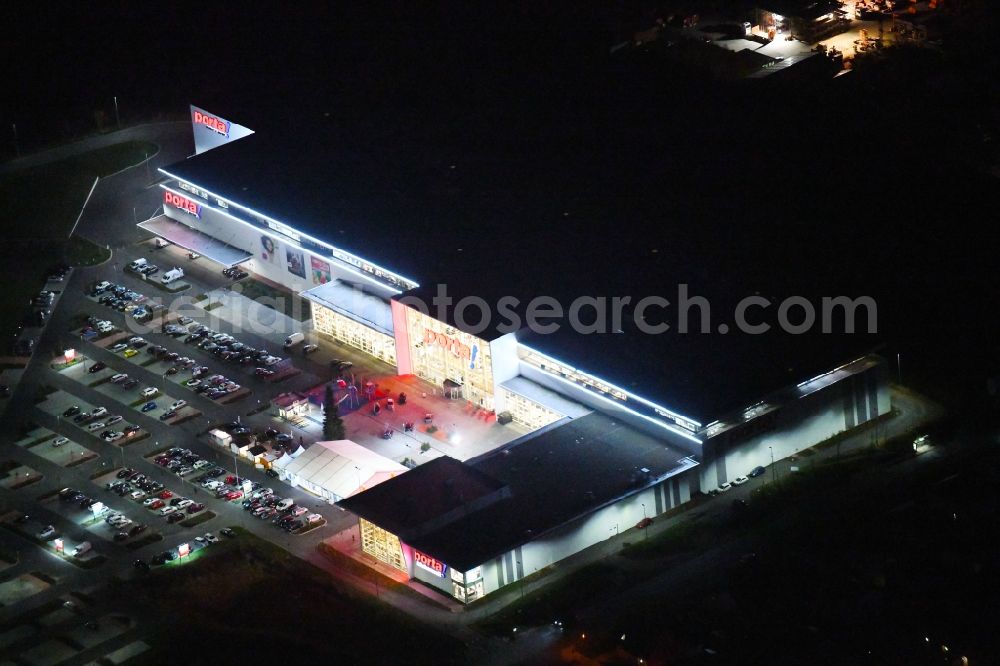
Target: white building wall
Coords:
[(585, 532), (797, 426), (272, 265), (503, 353)]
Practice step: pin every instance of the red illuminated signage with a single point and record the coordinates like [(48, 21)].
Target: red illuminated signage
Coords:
[(429, 563), (185, 204), (211, 122), (451, 344)]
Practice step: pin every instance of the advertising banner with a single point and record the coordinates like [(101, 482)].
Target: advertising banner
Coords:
[(320, 271), (296, 262), (268, 249)]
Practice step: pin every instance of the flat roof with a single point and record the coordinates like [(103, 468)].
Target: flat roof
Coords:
[(525, 218), (353, 303), (415, 502), (184, 236), (546, 397), (593, 461)]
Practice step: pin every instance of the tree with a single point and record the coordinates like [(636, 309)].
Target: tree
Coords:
[(333, 425)]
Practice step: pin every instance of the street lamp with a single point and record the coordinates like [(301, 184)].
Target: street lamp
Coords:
[(522, 579), (774, 471), (118, 121), (645, 523)]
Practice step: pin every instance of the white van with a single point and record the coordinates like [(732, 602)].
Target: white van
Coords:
[(172, 275), (313, 518), (294, 339), (138, 263), (284, 504), (82, 548)]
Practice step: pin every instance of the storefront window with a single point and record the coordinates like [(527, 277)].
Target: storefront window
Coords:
[(383, 546), (454, 360), (527, 412), (353, 333)]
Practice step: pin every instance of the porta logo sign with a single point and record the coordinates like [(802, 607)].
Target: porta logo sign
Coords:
[(213, 123), (453, 345), (185, 204), (429, 563)]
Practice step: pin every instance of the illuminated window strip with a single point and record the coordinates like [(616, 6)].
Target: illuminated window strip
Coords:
[(662, 409), (412, 283), (345, 266), (615, 403), (828, 373)]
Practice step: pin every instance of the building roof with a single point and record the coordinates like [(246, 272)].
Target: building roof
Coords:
[(592, 461), (529, 217), (342, 467), (804, 9), (414, 503), (353, 303), (289, 399)]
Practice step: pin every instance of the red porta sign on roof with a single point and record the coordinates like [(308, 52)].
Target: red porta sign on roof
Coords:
[(213, 123)]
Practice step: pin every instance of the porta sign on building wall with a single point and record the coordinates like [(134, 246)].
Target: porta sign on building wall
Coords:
[(428, 563), (211, 130), (182, 203)]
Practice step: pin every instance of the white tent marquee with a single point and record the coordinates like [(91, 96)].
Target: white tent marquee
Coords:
[(338, 469)]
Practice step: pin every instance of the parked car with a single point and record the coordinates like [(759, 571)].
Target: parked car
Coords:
[(756, 471), (72, 411), (149, 406), (97, 367), (46, 532)]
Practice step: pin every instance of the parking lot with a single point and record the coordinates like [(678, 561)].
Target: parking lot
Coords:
[(119, 474)]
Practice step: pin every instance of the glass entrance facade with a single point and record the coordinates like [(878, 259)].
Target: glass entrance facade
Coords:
[(383, 546), (453, 360), (355, 334), (527, 412)]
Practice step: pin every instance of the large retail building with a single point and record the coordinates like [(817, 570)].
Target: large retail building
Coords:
[(623, 425)]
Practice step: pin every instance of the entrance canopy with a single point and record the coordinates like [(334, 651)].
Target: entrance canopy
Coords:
[(184, 236)]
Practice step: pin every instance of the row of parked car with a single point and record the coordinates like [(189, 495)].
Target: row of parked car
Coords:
[(154, 496), (123, 526), (284, 513), (738, 481), (182, 461), (95, 420), (228, 348), (122, 299), (41, 306)]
